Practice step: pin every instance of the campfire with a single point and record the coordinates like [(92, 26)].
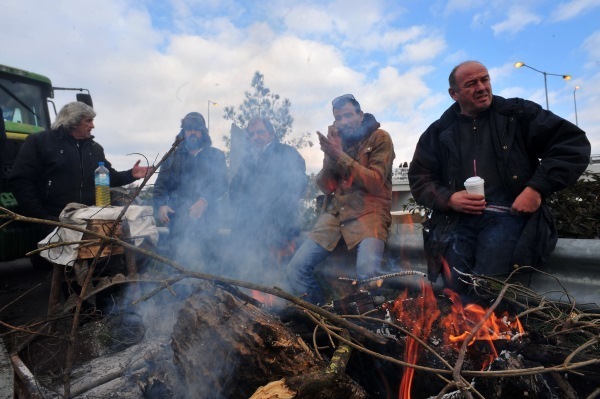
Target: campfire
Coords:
[(214, 337), (424, 320)]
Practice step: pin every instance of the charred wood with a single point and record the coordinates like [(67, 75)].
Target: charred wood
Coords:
[(233, 347)]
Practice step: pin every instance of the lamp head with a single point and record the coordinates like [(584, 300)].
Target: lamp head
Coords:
[(567, 77), (519, 64)]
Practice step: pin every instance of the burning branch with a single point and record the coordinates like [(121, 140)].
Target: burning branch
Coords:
[(463, 350)]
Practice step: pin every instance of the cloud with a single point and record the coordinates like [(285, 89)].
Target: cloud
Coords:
[(463, 5), (356, 18), (572, 9), (309, 19), (423, 50), (592, 46), (350, 24), (500, 73), (390, 40), (456, 57), (148, 63), (397, 94), (518, 19)]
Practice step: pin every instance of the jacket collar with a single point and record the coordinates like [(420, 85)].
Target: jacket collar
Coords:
[(62, 133), (368, 126)]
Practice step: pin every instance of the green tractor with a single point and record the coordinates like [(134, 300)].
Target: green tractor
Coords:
[(24, 98)]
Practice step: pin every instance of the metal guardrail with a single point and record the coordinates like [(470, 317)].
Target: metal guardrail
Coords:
[(573, 268)]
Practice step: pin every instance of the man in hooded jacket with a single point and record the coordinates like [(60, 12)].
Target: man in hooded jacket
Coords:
[(187, 192), (357, 180)]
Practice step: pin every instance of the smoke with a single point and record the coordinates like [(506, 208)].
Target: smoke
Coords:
[(248, 232)]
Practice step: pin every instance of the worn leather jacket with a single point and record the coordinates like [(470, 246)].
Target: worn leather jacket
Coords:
[(359, 190)]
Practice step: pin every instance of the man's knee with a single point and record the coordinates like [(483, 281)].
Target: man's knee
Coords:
[(369, 257)]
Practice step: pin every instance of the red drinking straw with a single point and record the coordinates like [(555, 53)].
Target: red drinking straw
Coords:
[(474, 167)]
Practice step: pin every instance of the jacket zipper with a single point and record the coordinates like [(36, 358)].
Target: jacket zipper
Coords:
[(48, 188)]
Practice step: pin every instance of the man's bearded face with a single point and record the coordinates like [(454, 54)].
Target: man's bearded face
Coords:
[(193, 139), (348, 121)]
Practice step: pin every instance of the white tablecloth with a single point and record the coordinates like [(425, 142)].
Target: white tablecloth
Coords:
[(139, 218)]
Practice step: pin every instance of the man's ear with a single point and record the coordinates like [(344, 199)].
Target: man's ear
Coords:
[(452, 93)]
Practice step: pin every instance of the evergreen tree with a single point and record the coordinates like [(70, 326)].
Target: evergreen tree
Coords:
[(261, 101)]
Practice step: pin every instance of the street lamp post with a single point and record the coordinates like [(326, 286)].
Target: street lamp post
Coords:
[(565, 77), (575, 103), (208, 114)]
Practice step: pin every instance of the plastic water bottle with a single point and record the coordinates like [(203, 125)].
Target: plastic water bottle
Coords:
[(102, 180)]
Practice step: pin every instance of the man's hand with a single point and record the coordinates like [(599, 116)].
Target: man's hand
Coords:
[(198, 208), (163, 214), (461, 201), (140, 172), (332, 144), (527, 202)]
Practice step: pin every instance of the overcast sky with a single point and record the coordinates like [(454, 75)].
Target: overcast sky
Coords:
[(149, 62)]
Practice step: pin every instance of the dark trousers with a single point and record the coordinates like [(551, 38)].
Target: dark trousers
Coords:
[(482, 244)]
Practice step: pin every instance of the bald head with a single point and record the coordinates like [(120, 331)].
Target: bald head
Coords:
[(470, 87)]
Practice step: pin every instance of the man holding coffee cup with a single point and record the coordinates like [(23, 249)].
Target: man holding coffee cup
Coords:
[(484, 169)]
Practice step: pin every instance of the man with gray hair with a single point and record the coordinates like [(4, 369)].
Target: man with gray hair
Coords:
[(56, 166)]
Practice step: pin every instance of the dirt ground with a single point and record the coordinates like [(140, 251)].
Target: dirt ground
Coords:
[(24, 292)]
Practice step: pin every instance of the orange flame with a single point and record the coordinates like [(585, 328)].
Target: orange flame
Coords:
[(419, 318), (278, 255), (419, 315), (264, 298), (460, 322)]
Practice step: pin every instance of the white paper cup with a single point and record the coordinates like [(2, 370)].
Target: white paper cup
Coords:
[(475, 185)]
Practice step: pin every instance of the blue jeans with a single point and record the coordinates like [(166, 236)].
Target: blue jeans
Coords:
[(482, 244), (301, 269)]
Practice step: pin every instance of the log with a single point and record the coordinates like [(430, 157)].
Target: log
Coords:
[(226, 347), (28, 385)]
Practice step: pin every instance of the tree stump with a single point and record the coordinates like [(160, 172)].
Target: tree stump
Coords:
[(226, 347)]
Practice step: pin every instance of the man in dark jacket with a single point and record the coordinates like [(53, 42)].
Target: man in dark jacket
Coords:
[(187, 192), (56, 166), (357, 180), (523, 153), (265, 197)]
